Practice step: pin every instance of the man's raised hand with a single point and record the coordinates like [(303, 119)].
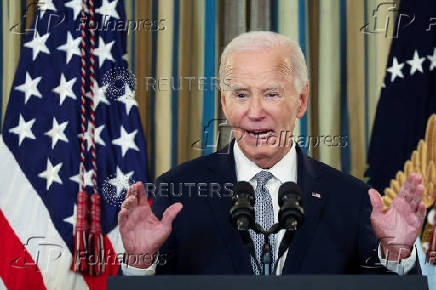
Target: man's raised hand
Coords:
[(398, 226), (141, 231)]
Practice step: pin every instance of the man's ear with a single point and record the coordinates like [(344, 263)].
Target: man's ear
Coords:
[(303, 98), (223, 102)]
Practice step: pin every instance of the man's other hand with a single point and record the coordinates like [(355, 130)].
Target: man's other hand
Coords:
[(398, 226)]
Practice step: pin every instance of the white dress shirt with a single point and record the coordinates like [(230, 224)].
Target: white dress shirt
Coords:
[(283, 171)]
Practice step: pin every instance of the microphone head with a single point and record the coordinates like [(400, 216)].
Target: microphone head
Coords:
[(242, 211), (243, 188), (287, 189), (291, 213)]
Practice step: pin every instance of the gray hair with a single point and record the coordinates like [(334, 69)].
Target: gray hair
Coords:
[(257, 40)]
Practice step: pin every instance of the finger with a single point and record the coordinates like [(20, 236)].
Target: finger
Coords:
[(142, 194), (132, 190), (412, 194), (408, 188), (123, 216), (417, 179), (376, 201), (417, 197), (421, 212), (130, 202), (170, 213)]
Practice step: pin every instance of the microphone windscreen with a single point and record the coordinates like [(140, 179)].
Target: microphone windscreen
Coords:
[(243, 187), (288, 188)]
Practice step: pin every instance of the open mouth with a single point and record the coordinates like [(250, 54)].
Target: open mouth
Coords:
[(260, 134)]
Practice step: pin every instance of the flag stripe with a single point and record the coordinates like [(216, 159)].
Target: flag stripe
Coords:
[(114, 249), (1, 65), (30, 219), (24, 273), (2, 285)]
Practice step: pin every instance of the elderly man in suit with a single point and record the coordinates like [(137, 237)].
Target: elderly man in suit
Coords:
[(264, 88)]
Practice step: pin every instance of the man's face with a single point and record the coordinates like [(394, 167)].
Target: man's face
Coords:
[(261, 103)]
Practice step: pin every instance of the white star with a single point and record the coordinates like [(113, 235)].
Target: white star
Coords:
[(30, 88), (88, 136), (51, 174), (87, 177), (98, 139), (99, 95), (37, 44), (109, 9), (23, 130), (128, 99), (121, 181), (72, 218), (70, 47), (395, 69), (65, 89), (126, 141), (432, 58), (103, 51), (76, 5), (57, 132), (44, 5), (415, 63)]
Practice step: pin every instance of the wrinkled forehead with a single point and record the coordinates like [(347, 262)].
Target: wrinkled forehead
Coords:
[(258, 69)]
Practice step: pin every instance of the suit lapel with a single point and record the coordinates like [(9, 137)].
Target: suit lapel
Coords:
[(223, 168), (307, 180)]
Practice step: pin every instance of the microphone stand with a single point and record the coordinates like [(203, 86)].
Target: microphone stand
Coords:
[(267, 255), (291, 229), (265, 266)]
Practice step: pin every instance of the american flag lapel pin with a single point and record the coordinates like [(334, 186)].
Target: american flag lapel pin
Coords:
[(316, 195)]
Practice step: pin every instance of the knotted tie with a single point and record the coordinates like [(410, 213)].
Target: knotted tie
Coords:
[(264, 216)]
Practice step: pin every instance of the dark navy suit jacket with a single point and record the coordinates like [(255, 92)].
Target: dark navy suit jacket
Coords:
[(336, 237)]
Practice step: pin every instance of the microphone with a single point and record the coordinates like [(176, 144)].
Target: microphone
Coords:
[(291, 214), (242, 211), (242, 214)]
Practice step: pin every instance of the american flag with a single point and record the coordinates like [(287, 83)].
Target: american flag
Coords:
[(40, 146)]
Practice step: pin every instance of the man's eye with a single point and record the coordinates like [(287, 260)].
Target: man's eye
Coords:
[(272, 95), (241, 96)]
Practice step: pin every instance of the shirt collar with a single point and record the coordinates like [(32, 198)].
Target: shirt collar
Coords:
[(284, 170)]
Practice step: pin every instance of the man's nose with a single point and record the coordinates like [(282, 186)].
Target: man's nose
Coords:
[(256, 111)]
